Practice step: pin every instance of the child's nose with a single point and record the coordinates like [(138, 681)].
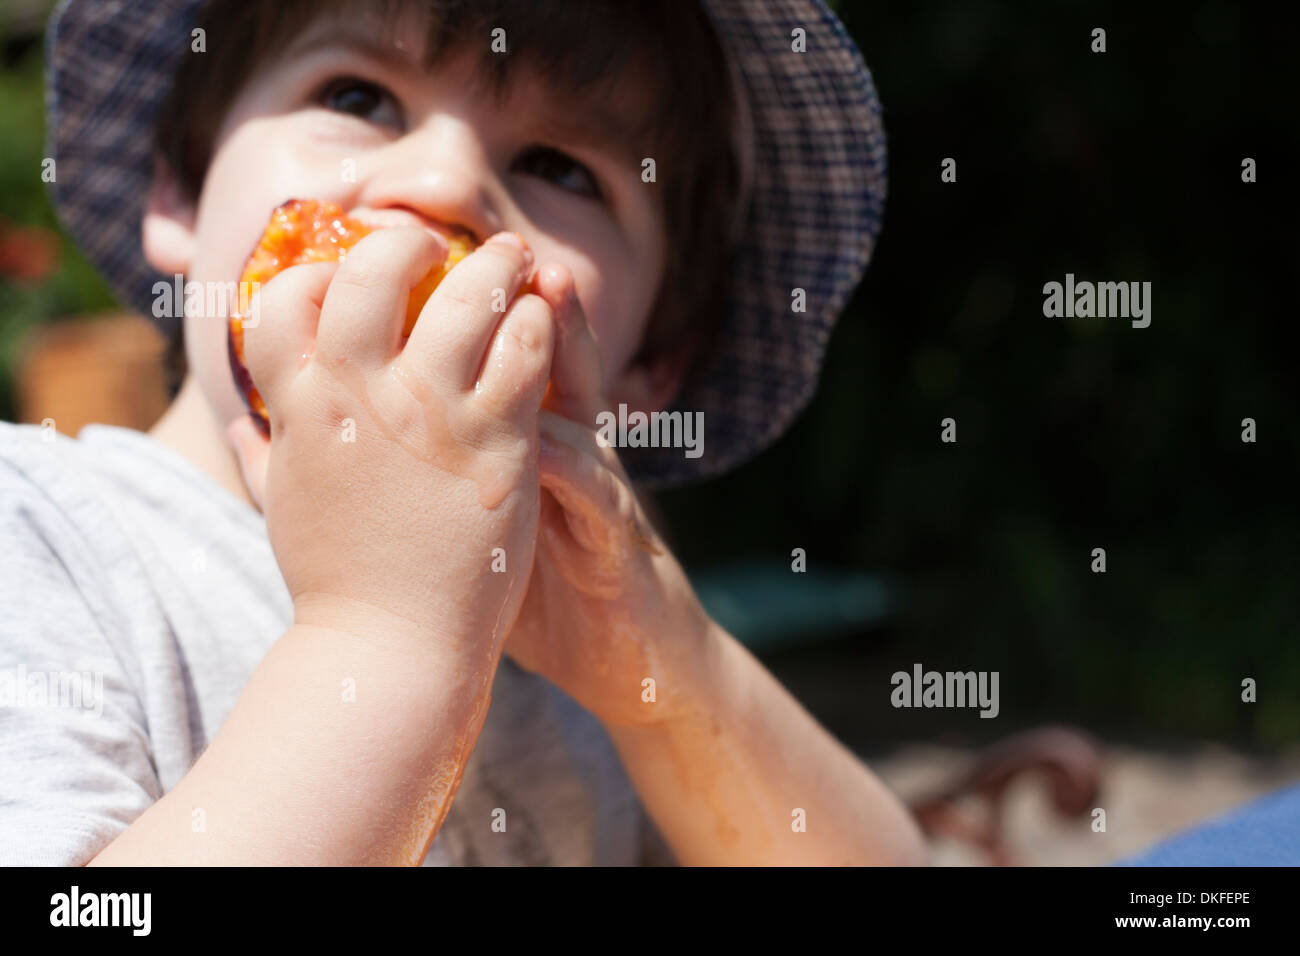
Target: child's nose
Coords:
[(441, 178)]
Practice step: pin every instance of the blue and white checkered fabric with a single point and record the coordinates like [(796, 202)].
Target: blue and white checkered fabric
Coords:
[(815, 193)]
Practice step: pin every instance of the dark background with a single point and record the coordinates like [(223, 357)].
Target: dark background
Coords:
[(1072, 434)]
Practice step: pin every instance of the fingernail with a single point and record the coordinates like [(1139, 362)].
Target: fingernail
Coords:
[(441, 239), (514, 241)]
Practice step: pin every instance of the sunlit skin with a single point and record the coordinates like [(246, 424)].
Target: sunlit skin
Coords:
[(385, 542), (301, 232)]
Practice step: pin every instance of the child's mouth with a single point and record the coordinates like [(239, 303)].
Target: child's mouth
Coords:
[(372, 219)]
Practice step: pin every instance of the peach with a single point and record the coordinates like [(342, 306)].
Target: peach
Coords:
[(312, 230)]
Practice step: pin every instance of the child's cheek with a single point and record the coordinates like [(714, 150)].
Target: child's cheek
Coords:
[(600, 303), (616, 322), (257, 165), (260, 165)]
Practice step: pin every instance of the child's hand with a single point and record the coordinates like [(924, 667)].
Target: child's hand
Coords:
[(393, 472), (607, 605)]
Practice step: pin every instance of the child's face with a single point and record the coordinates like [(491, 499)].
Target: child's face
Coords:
[(348, 114)]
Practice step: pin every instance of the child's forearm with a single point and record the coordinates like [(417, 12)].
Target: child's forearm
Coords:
[(724, 781), (346, 747)]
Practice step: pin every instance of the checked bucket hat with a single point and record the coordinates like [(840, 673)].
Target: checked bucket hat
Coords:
[(813, 175)]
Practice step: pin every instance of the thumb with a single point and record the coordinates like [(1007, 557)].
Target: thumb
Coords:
[(253, 450)]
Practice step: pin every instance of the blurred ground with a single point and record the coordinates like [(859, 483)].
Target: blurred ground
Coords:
[(1152, 786), (1148, 795)]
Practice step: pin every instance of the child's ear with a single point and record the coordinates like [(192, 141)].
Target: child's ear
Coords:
[(167, 231), (651, 385)]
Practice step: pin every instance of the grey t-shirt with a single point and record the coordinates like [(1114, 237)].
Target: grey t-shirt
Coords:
[(137, 596)]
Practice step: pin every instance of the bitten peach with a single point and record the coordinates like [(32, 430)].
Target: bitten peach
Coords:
[(311, 230)]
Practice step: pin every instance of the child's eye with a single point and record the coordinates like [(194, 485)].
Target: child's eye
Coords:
[(363, 99), (557, 168)]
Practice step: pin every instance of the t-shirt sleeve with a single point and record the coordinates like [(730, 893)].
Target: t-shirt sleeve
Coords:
[(76, 766)]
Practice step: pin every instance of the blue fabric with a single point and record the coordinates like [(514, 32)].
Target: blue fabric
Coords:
[(1263, 833)]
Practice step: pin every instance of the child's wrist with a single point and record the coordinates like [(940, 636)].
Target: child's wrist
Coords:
[(364, 621)]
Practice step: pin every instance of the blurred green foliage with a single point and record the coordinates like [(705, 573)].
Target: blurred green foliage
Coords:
[(74, 288)]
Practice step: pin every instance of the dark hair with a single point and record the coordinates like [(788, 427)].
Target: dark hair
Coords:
[(578, 47)]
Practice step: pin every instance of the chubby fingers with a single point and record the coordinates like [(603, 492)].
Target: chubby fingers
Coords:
[(285, 313), (365, 308), (576, 384), (457, 323), (590, 485), (572, 559), (558, 428), (512, 378)]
